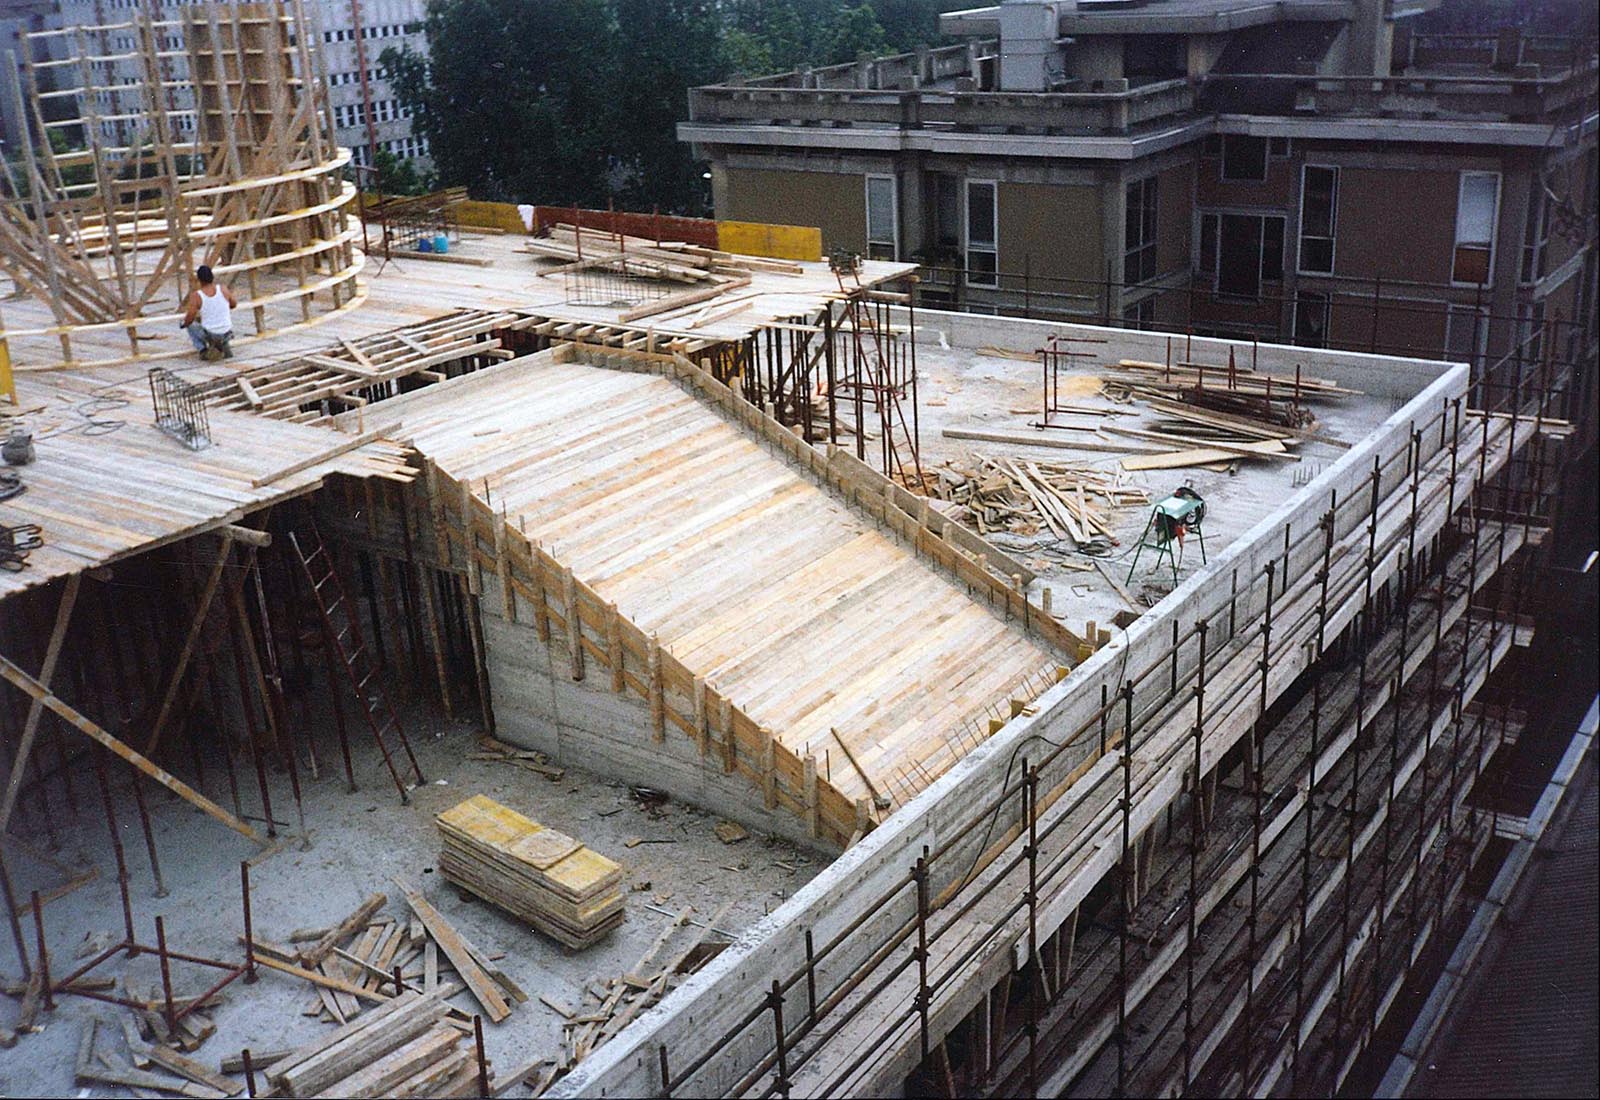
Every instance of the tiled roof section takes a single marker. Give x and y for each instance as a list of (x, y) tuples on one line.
[(1532, 1026)]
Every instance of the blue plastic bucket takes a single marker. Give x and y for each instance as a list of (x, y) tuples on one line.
[(425, 245), (441, 243)]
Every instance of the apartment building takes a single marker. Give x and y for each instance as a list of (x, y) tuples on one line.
[(367, 113), (1309, 172)]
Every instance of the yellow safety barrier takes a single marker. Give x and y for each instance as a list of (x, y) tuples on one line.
[(777, 242), (8, 385)]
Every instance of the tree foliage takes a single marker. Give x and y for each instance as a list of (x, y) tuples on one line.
[(577, 101)]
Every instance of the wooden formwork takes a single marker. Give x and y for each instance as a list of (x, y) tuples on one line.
[(161, 143)]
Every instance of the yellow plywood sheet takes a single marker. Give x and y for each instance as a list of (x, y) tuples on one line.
[(551, 854), (778, 242)]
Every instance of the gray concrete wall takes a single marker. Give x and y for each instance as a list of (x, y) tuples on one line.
[(538, 705), (1381, 376)]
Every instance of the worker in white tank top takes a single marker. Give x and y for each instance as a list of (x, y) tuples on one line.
[(208, 316)]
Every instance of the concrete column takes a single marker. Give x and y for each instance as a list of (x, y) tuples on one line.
[(912, 203)]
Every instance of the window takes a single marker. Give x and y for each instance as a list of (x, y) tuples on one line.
[(1477, 204), (1311, 319), (1139, 232), (1244, 158), (1319, 204), (1535, 236), (983, 260), (883, 236), (1279, 147), (1466, 331), (1244, 251), (1141, 314)]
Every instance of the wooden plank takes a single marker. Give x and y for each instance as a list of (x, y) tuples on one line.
[(342, 931), (1023, 439), (32, 687), (30, 728), (333, 452), (494, 1005)]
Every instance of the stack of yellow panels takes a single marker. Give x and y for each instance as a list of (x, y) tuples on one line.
[(542, 876)]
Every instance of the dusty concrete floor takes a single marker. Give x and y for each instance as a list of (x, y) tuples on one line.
[(961, 388), (358, 841)]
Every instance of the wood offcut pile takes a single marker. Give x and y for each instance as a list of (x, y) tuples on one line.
[(409, 1046), (683, 946), (544, 877), (358, 962), (1024, 497)]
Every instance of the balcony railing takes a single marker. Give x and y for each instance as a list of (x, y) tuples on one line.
[(998, 112)]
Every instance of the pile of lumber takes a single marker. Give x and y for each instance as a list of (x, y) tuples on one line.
[(675, 261), (683, 946), (542, 876), (361, 961), (1240, 380), (408, 1047), (1024, 497)]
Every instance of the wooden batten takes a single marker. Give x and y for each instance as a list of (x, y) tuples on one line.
[(569, 599), (658, 706)]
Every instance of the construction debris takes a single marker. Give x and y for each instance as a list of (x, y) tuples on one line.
[(542, 876), (1024, 497), (405, 1048), (531, 760)]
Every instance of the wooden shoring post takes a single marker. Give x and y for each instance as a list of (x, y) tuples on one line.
[(181, 665), (615, 653), (30, 727), (247, 710), (502, 562), (271, 680), (730, 742), (569, 596), (480, 659), (426, 581), (813, 823), (658, 701), (702, 718), (769, 770), (20, 679), (469, 542)]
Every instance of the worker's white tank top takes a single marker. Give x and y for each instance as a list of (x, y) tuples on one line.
[(215, 315)]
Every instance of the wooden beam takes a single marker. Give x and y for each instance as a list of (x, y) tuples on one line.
[(19, 765), (10, 671)]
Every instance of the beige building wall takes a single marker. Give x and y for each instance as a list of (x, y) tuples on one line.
[(1396, 225), (1052, 231), (834, 202)]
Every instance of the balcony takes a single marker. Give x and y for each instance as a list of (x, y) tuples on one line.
[(1044, 113)]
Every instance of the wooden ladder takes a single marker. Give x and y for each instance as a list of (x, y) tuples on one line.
[(342, 628)]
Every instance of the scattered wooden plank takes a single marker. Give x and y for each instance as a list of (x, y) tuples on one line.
[(482, 987)]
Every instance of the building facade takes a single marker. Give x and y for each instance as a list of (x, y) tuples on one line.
[(367, 114), (1308, 172)]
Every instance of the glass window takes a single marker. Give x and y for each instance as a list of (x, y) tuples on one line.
[(1311, 319), (1248, 251), (1319, 202), (983, 261), (1139, 232), (1476, 209), (882, 237), (1208, 244), (1243, 157), (1535, 235)]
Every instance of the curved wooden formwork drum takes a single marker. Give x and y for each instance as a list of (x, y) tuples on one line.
[(189, 135)]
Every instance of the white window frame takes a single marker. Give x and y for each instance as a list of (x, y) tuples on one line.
[(1537, 249), (894, 212), (1333, 225), (966, 229), (1494, 225)]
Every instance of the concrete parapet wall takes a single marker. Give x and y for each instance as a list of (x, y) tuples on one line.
[(1378, 375)]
